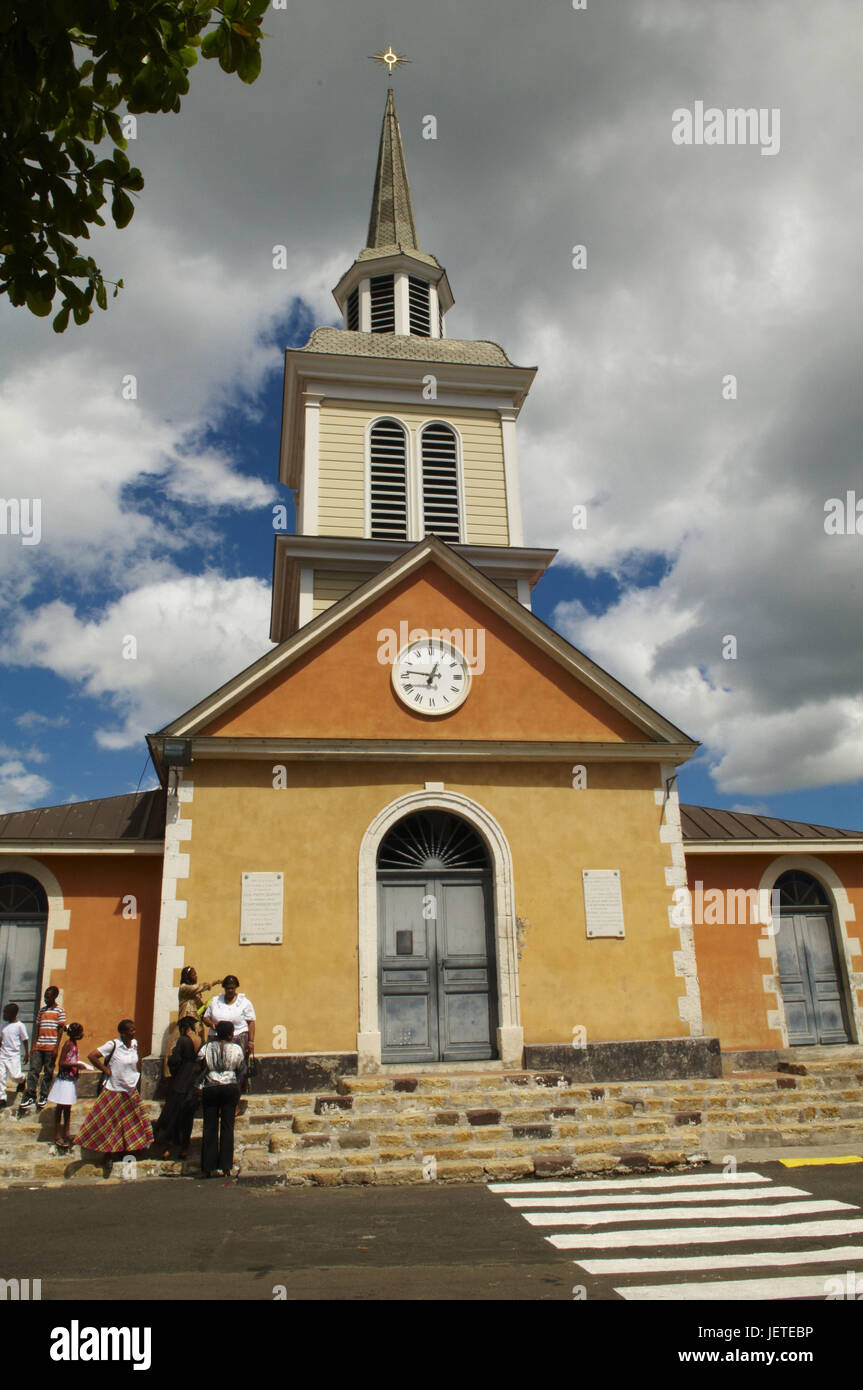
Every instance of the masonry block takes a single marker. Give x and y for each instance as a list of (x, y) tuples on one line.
[(331, 1105), (483, 1117)]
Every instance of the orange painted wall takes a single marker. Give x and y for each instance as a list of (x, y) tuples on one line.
[(111, 960), (341, 690), (730, 970)]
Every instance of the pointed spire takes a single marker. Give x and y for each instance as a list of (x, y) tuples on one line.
[(392, 217)]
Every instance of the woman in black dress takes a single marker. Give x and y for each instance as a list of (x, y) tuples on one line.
[(174, 1125)]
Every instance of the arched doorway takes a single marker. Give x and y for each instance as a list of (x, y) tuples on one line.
[(809, 970), (436, 963), (23, 921)]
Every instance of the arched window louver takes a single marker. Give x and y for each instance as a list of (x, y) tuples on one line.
[(389, 492), (440, 483), (383, 304), (420, 312)]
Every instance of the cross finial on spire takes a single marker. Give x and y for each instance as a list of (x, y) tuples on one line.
[(390, 57)]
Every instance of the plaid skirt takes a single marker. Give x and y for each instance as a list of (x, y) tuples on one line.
[(116, 1124)]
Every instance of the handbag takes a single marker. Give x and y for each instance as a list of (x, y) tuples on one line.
[(103, 1079)]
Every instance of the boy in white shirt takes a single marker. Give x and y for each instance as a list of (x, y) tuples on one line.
[(13, 1036)]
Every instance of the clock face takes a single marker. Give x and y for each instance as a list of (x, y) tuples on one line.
[(431, 677)]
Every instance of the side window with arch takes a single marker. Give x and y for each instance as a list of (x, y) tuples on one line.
[(799, 889), (23, 923), (440, 495), (388, 481)]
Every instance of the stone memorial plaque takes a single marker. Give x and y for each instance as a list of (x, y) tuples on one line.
[(603, 905), (261, 909)]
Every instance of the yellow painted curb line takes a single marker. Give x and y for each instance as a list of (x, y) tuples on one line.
[(813, 1162)]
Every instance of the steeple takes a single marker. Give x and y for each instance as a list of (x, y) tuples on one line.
[(391, 223), (393, 286), (393, 431)]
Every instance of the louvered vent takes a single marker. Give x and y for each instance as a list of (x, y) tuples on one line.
[(383, 304), (432, 840), (389, 501), (440, 483), (354, 309), (420, 313)]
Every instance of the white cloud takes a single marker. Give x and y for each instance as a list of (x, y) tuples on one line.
[(702, 262), (191, 635), (33, 719), (20, 789)]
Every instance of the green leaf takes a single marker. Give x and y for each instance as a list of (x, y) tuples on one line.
[(38, 304), (249, 64), (115, 129), (101, 295), (213, 43), (61, 322), (122, 208)]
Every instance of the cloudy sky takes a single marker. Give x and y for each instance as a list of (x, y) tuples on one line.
[(705, 514)]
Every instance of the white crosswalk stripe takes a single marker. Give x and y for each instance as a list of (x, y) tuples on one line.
[(658, 1213), (633, 1199)]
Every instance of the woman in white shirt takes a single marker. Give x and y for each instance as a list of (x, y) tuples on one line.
[(232, 1007), (222, 1060), (117, 1124)]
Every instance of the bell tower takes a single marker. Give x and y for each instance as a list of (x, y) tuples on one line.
[(393, 430)]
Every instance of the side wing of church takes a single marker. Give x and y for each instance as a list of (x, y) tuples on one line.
[(424, 829)]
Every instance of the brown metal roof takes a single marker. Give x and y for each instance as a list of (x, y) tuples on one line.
[(141, 816), (708, 823), (136, 816)]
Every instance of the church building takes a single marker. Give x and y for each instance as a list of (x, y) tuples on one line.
[(423, 828)]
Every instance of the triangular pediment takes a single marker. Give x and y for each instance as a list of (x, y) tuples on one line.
[(332, 678)]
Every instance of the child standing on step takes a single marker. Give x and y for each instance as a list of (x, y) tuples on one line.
[(64, 1092), (13, 1036), (49, 1028)]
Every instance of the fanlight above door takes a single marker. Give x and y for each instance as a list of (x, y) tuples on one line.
[(432, 840)]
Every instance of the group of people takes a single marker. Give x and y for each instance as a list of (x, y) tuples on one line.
[(213, 1071)]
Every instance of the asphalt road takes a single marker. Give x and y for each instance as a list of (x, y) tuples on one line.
[(212, 1240)]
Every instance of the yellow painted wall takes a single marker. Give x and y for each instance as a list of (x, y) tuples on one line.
[(312, 831), (341, 466), (332, 585)]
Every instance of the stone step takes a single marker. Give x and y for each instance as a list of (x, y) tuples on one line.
[(384, 1128)]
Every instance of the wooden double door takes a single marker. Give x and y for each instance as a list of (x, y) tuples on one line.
[(811, 979), (437, 974)]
